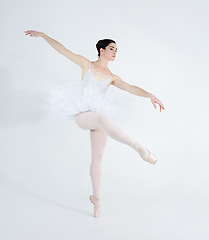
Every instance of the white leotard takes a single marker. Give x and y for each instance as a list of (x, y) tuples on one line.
[(91, 86)]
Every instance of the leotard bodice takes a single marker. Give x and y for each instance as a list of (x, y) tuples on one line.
[(91, 86)]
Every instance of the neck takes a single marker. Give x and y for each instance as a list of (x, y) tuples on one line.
[(102, 63)]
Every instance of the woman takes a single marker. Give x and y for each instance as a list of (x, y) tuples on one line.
[(88, 103)]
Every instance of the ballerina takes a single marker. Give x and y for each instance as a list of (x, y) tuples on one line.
[(90, 107)]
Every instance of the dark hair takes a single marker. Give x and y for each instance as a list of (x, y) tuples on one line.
[(103, 44)]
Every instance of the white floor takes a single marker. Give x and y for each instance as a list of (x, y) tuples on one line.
[(27, 215)]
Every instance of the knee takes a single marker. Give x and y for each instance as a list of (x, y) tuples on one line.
[(101, 119)]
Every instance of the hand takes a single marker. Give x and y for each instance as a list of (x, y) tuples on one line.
[(156, 100), (34, 33)]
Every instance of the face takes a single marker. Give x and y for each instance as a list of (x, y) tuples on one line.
[(109, 52)]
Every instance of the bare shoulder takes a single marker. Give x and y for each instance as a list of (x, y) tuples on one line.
[(84, 62), (115, 79)]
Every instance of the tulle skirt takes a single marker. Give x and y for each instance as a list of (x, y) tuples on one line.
[(68, 100)]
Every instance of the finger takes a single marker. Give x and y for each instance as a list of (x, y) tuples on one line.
[(161, 105)]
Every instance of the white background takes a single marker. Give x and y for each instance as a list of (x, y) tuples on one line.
[(44, 161)]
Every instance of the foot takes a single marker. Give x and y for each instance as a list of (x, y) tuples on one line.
[(95, 199), (145, 154)]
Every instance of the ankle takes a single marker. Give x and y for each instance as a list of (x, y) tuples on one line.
[(141, 150), (135, 145), (97, 195)]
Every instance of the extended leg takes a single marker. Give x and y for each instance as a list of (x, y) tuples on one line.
[(90, 120)]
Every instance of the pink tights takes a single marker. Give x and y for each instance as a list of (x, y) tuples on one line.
[(100, 127)]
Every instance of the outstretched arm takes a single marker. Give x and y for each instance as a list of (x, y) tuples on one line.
[(77, 59), (118, 82)]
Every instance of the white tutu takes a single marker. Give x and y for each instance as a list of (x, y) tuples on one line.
[(68, 100)]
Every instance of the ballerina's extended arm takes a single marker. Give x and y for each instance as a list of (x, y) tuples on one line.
[(76, 58), (118, 82)]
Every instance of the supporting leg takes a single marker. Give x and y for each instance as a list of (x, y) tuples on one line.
[(98, 139)]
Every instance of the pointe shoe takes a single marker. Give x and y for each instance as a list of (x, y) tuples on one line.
[(151, 159), (96, 209)]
